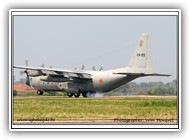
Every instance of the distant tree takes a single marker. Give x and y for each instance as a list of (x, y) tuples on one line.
[(172, 87), (133, 84), (21, 81), (175, 82), (158, 90), (14, 93)]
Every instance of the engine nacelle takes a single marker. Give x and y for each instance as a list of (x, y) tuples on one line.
[(49, 78), (34, 73)]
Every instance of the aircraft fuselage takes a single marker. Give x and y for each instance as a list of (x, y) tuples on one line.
[(102, 81)]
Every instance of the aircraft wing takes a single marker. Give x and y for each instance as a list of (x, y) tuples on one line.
[(58, 72)]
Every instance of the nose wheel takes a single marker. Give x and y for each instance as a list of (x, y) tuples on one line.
[(39, 92)]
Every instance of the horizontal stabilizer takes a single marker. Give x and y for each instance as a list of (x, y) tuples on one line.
[(144, 74), (157, 74)]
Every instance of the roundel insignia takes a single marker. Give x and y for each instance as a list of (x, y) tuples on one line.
[(141, 43), (101, 81)]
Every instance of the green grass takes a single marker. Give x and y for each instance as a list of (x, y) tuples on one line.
[(60, 108)]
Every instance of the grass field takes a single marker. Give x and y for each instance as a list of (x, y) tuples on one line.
[(62, 108)]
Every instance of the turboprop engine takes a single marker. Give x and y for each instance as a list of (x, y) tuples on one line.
[(33, 73), (50, 78)]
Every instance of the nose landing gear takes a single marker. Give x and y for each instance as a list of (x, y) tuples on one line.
[(39, 92)]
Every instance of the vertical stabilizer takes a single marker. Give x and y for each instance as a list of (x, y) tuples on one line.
[(141, 61)]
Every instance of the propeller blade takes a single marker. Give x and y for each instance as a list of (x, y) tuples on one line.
[(82, 67), (26, 63), (93, 68), (22, 72), (101, 68), (42, 65)]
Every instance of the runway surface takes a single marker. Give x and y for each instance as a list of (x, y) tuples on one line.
[(102, 97)]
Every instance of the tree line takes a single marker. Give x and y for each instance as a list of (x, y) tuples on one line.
[(150, 88)]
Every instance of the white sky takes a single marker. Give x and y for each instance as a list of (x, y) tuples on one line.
[(68, 42)]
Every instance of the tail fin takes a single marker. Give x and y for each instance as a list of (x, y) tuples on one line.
[(141, 61)]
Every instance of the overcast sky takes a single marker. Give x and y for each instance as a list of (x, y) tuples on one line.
[(68, 42)]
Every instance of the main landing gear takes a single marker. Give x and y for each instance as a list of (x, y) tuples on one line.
[(71, 95), (84, 94), (39, 92)]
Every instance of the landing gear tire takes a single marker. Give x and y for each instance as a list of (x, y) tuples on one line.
[(70, 94), (76, 95), (84, 94), (39, 92)]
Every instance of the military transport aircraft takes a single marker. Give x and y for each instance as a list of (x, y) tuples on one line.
[(77, 82)]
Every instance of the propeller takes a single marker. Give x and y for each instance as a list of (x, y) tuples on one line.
[(101, 68), (42, 65), (27, 76), (26, 64), (22, 72), (93, 68), (27, 79), (82, 67)]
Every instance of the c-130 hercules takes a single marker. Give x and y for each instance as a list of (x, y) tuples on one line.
[(77, 82)]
